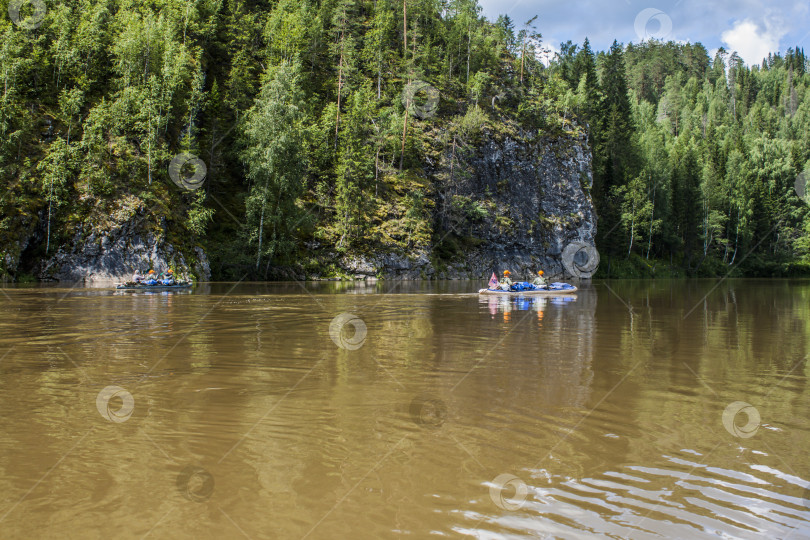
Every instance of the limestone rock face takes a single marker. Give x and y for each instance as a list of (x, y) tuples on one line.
[(520, 203), (114, 255)]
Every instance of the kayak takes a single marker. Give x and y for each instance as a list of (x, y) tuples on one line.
[(158, 287), (537, 292)]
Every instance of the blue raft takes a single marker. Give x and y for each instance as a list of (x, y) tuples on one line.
[(527, 289), (158, 286)]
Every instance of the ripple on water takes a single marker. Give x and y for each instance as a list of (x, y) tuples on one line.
[(611, 417), (649, 502)]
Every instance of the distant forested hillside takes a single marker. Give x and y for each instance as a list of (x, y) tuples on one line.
[(316, 121), (695, 158)]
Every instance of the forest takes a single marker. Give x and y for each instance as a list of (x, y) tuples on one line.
[(315, 119), (699, 162)]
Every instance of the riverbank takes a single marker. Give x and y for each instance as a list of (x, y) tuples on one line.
[(637, 267)]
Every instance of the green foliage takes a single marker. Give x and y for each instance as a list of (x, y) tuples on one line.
[(275, 163), (296, 109), (467, 209), (199, 216), (694, 158), (471, 124)]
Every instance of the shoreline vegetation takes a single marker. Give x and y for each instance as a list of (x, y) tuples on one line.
[(344, 128)]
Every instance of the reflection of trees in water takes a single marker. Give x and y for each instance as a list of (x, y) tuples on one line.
[(708, 340), (739, 324), (541, 371), (539, 351), (563, 351), (532, 376)]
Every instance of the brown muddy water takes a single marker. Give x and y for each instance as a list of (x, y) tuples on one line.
[(636, 409)]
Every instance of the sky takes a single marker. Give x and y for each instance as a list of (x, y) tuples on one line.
[(752, 28)]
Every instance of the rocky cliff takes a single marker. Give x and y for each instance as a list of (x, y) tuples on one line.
[(516, 204), (101, 253), (114, 255), (509, 201)]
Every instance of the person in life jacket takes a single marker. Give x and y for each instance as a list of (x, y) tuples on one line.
[(137, 277), (540, 281), (150, 278), (168, 278), (506, 282)]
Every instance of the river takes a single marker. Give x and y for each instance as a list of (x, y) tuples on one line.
[(633, 409)]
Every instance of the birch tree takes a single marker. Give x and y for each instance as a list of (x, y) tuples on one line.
[(273, 140)]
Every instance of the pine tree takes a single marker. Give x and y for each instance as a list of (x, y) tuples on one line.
[(584, 72), (614, 145), (529, 39), (686, 199), (355, 167)]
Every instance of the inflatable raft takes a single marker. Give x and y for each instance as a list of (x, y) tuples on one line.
[(157, 287), (536, 292)]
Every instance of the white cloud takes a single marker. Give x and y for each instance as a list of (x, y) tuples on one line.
[(548, 53), (751, 42)]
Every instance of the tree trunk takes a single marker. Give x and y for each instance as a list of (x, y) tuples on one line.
[(452, 160), (469, 37), (149, 158), (632, 231), (736, 240), (522, 55), (340, 89), (376, 170), (652, 216), (728, 239), (261, 228), (50, 202), (405, 29), (705, 228), (404, 131), (185, 22)]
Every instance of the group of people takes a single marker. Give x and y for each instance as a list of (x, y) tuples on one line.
[(152, 278), (506, 283)]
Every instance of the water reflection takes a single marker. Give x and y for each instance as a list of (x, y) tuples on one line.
[(505, 305), (246, 414)]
